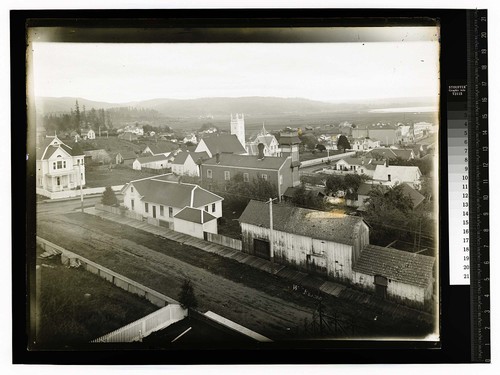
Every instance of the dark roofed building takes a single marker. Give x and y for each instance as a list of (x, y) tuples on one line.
[(396, 274), (158, 148), (125, 157)]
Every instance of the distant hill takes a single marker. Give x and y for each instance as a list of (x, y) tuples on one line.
[(222, 106)]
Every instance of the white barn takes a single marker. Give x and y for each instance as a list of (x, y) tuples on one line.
[(316, 241), (152, 162)]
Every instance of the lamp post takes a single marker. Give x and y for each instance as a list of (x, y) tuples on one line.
[(271, 249)]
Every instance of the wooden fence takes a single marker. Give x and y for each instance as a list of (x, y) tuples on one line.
[(119, 211), (141, 328), (74, 193), (223, 240)]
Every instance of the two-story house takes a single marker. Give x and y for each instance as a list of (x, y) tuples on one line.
[(219, 170), (58, 166)]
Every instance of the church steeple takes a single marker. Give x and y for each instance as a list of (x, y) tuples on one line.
[(238, 127)]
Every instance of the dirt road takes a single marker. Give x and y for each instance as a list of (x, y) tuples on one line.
[(252, 298)]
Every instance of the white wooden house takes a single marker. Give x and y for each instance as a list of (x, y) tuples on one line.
[(151, 162), (158, 198), (58, 166)]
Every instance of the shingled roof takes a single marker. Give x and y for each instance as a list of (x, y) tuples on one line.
[(309, 223), (172, 194), (44, 149), (397, 265), (194, 215), (150, 159), (224, 143), (247, 161)]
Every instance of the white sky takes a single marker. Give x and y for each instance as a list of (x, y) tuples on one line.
[(320, 71)]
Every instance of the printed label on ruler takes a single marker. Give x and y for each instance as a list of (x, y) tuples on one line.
[(458, 184)]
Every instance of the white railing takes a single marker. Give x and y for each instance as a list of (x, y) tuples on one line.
[(141, 328)]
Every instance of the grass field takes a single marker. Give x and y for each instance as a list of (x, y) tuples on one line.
[(102, 176), (78, 306)]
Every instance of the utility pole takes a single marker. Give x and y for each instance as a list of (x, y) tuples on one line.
[(271, 239), (81, 188)]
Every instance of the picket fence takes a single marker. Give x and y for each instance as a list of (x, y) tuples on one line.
[(143, 327)]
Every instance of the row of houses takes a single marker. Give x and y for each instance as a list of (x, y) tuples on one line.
[(324, 243)]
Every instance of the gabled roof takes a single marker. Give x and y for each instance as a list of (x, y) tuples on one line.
[(305, 222), (403, 154), (386, 153), (415, 196), (171, 193), (45, 149), (398, 173), (150, 159), (246, 161), (352, 161), (364, 188), (182, 157), (397, 265), (162, 147), (223, 143), (266, 139), (194, 215), (127, 155)]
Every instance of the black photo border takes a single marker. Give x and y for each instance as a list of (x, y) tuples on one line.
[(455, 319)]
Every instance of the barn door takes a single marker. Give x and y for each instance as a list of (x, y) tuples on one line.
[(262, 249), (381, 286)]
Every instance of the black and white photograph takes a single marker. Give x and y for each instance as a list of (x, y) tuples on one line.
[(237, 193)]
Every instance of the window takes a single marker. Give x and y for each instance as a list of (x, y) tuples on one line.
[(59, 164), (213, 207), (54, 165), (209, 173), (227, 175), (389, 177), (146, 207), (246, 178), (64, 164), (264, 177), (131, 189), (162, 211), (132, 203), (206, 208), (170, 212), (77, 161), (58, 181)]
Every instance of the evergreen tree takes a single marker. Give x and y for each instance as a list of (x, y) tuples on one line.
[(343, 143), (109, 197), (78, 119), (186, 296)]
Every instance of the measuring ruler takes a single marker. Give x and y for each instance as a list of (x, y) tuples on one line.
[(477, 51), (468, 190), (467, 127)]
